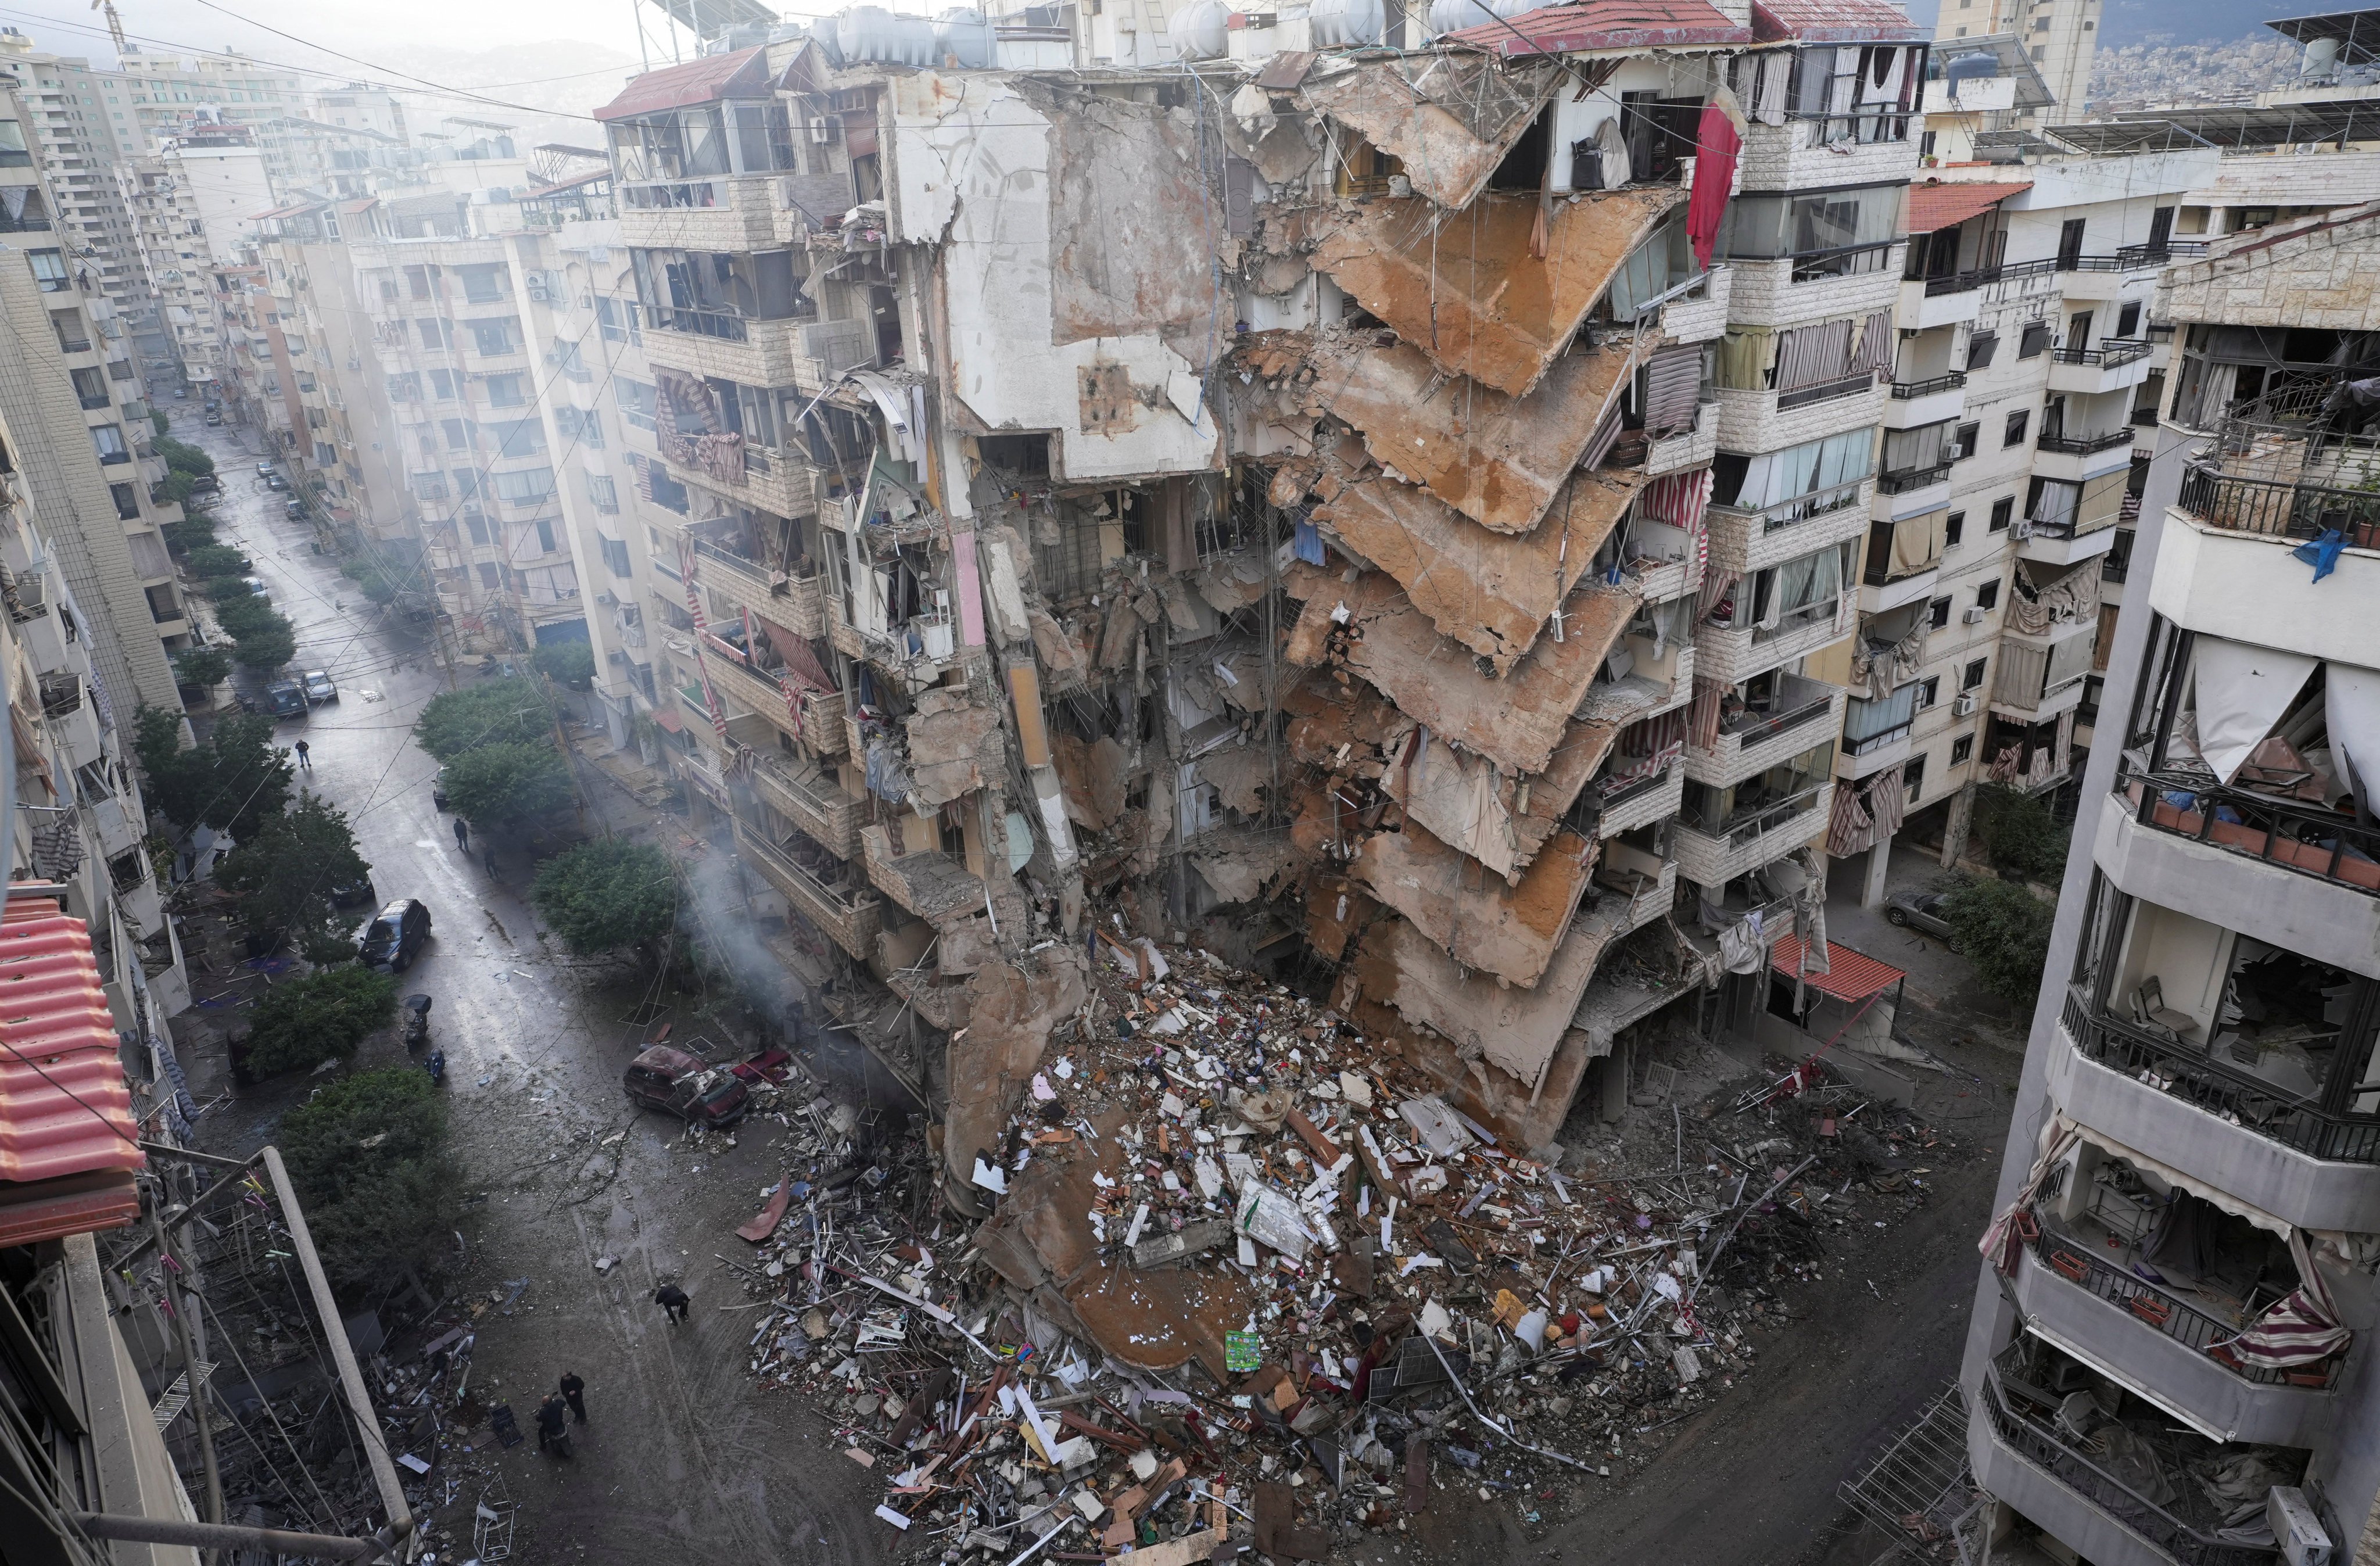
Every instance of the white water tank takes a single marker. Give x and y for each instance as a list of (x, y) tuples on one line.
[(1453, 16), (1201, 31), (871, 32), (1347, 24), (963, 38)]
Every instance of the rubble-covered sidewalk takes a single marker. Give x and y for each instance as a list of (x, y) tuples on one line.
[(1247, 1283)]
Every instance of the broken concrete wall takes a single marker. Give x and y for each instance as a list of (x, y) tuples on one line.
[(1014, 1007), (1479, 920), (1450, 117), (955, 746), (1514, 1030), (1498, 819)]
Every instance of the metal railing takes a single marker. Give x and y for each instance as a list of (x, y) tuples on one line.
[(2079, 1263), (2278, 508), (1826, 391), (1845, 260), (1879, 740), (1962, 282), (1752, 729), (2295, 834), (2209, 1082), (1902, 480), (1762, 822), (1905, 390), (1865, 127), (2085, 445), (2112, 353), (696, 323), (1826, 608), (1799, 508), (2132, 257), (2113, 568), (2038, 1443)]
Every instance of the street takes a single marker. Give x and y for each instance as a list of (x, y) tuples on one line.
[(681, 1459)]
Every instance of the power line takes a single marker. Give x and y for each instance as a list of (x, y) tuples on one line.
[(405, 76)]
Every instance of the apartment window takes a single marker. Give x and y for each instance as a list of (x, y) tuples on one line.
[(325, 455), (1962, 750), (1968, 440), (637, 402), (91, 389), (544, 536), (128, 501), (1929, 690), (417, 281), (489, 577), (2128, 319), (493, 339), (49, 271), (1988, 595), (109, 441), (1926, 142), (1913, 775), (429, 486), (1973, 675), (519, 438), (442, 384), (2035, 339), (477, 526), (1938, 614), (2003, 509), (1980, 346), (603, 492), (526, 487), (2018, 423), (505, 391), (458, 434), (483, 283), (615, 557), (433, 333), (1953, 527), (405, 387)]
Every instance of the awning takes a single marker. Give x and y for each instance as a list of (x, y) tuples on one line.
[(743, 74), (669, 720), (1596, 25), (1834, 21), (1850, 976), (1937, 205), (67, 1139)]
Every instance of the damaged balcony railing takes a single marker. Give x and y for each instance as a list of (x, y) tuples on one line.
[(697, 323), (2197, 1078), (2037, 1440), (1901, 480), (1752, 728), (1801, 508), (2078, 1262), (1741, 829), (2278, 508), (1845, 260), (2298, 834)]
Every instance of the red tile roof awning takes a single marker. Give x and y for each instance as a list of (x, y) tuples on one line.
[(1941, 205), (67, 1154), (741, 74), (1834, 21), (668, 719), (1594, 25), (1850, 976)]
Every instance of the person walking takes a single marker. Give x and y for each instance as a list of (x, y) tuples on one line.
[(305, 757), (462, 835), (549, 1422), (673, 1302), (574, 1392), (488, 857)]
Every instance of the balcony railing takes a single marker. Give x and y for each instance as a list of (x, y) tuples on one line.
[(1799, 508), (61, 693), (1846, 260), (1826, 391), (2279, 509), (2085, 445), (2132, 257), (1869, 128), (2299, 835), (697, 322), (2037, 1440), (2114, 567), (1740, 830), (2189, 1073), (1908, 391), (1797, 620), (2080, 1264), (1896, 481), (2111, 353), (1963, 282), (1879, 740), (1755, 727)]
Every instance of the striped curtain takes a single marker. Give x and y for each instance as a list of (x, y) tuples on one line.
[(1807, 356), (1865, 815), (1672, 382), (701, 629), (1719, 586), (1701, 716), (1677, 499), (1874, 351)]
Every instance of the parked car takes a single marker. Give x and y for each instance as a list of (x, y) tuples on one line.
[(275, 481), (351, 893), (215, 419), (181, 394), (284, 699), (265, 470), (318, 686), (256, 585), (1919, 910), (295, 510), (394, 937), (676, 1083), (205, 483)]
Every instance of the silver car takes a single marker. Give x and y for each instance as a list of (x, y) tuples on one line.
[(1920, 910)]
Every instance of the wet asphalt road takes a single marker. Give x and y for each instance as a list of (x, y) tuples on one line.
[(683, 1460)]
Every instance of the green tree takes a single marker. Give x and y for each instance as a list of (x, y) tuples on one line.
[(204, 667), (2020, 836), (243, 611), (182, 457), (2004, 931), (568, 663), (373, 582), (234, 781), (196, 530), (217, 560), (607, 895), (507, 782), (369, 1156), (284, 875), (158, 421), (303, 1022), (225, 588), (491, 712), (267, 648)]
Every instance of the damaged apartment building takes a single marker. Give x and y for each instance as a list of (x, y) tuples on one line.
[(1387, 514)]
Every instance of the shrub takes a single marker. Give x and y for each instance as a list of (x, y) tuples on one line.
[(491, 712), (2020, 836), (282, 876), (2003, 930), (205, 667), (369, 1156), (568, 663), (507, 782), (605, 895), (217, 560), (304, 1022)]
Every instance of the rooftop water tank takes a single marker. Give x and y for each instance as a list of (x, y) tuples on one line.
[(871, 32), (1201, 31), (1453, 16), (1347, 24), (963, 38)]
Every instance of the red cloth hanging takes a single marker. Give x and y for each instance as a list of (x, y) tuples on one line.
[(1715, 145)]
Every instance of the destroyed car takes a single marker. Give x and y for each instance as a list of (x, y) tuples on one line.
[(676, 1083)]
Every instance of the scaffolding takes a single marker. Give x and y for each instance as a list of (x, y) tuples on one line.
[(1919, 1489)]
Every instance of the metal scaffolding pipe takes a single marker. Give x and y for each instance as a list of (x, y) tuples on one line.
[(224, 1535)]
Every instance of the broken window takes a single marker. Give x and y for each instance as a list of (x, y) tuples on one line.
[(1364, 169), (1740, 812), (1813, 227)]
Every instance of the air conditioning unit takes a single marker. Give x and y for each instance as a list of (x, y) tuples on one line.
[(615, 656), (536, 282), (2299, 1532), (1964, 706), (1974, 615), (606, 599), (2021, 528)]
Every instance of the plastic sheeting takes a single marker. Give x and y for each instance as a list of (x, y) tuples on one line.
[(2240, 693), (2351, 714)]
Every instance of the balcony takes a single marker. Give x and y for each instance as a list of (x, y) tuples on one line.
[(1687, 448), (2116, 364), (1904, 560), (1805, 289), (2109, 1314), (847, 915), (2078, 457), (1802, 713), (777, 481), (760, 693), (2280, 508), (1926, 401), (2111, 277), (732, 213), (815, 805), (1877, 733), (1827, 152), (1761, 422), (1716, 857), (2021, 1453), (930, 885), (1699, 315), (809, 356), (1732, 654), (795, 602), (1744, 540), (1639, 802)]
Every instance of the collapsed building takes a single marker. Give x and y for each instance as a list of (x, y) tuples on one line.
[(1364, 506)]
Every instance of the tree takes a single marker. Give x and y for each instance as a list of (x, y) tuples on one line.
[(225, 588), (369, 1159), (159, 422), (243, 611), (607, 895), (2004, 931), (507, 782), (303, 1022), (2020, 835), (491, 712), (182, 457), (196, 530), (568, 663), (217, 560), (234, 781), (266, 648), (204, 667), (284, 875)]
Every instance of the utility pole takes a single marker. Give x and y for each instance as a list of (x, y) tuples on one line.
[(178, 1302)]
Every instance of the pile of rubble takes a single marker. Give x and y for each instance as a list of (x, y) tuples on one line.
[(1246, 1278)]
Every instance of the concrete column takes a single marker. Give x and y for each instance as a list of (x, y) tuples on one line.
[(1879, 860), (1954, 833)]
